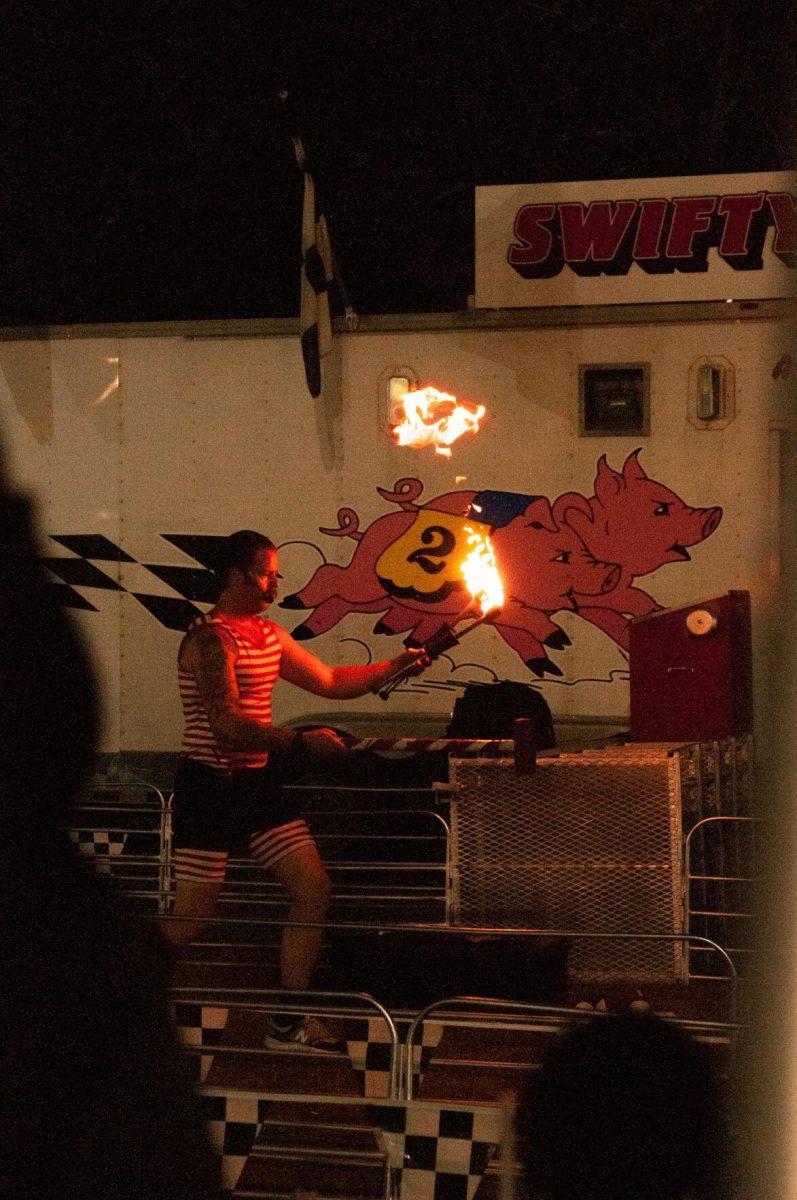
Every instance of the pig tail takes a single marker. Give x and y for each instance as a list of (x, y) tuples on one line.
[(405, 492), (348, 525)]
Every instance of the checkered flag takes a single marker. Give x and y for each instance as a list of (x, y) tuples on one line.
[(100, 845), (317, 275), (368, 1045), (233, 1123), (438, 1152), (199, 1026)]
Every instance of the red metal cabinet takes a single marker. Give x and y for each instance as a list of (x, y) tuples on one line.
[(691, 672)]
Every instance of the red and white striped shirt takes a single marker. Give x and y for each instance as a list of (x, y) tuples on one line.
[(256, 670)]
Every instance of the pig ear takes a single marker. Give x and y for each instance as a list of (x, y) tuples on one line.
[(631, 468), (570, 503), (608, 482), (539, 512)]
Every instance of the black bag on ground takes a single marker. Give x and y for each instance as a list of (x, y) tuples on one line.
[(488, 710)]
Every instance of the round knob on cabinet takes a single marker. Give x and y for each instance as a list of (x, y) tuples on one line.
[(701, 622)]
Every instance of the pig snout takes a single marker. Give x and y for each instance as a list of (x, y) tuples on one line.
[(711, 520), (611, 580)]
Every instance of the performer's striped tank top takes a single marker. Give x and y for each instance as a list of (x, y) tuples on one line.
[(256, 670)]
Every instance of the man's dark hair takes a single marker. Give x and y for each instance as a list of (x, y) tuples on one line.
[(239, 550)]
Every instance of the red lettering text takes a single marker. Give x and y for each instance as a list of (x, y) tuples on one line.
[(785, 217), (535, 239), (651, 223), (738, 212), (691, 215), (597, 233)]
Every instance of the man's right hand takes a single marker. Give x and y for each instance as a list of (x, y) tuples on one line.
[(324, 743)]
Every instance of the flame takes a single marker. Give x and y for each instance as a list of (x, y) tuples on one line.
[(481, 573), (431, 418)]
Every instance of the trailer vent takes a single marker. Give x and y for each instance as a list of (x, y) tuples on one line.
[(614, 399)]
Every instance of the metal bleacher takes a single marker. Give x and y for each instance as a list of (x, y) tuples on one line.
[(338, 1126)]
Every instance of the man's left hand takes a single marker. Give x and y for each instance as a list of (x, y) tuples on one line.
[(324, 743)]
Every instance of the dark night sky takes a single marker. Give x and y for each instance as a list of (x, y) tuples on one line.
[(146, 174)]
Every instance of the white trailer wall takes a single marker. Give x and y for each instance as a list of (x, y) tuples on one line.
[(135, 437)]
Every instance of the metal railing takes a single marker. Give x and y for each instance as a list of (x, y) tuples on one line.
[(486, 1011), (272, 1000), (261, 890), (154, 802), (160, 804), (476, 1003), (713, 883), (402, 1068)]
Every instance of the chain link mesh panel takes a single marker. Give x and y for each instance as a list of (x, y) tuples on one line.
[(590, 841)]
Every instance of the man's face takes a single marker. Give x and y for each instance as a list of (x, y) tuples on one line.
[(263, 574)]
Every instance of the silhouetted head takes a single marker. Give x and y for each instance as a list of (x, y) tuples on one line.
[(625, 1108), (48, 702)]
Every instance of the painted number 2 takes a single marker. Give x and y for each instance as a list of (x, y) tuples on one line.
[(438, 542)]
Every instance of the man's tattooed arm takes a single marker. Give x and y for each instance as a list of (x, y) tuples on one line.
[(211, 657)]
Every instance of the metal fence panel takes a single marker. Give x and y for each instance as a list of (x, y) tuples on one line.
[(588, 841)]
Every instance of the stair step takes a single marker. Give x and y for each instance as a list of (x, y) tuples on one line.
[(292, 1074), (323, 1114), (495, 1045), (270, 1173), (318, 1137), (450, 1082)]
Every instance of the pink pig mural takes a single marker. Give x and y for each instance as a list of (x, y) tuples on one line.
[(579, 554), (642, 525)]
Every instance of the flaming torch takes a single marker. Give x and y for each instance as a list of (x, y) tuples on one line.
[(431, 418), (480, 573), (487, 595)]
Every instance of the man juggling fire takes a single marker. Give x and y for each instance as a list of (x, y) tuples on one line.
[(227, 795)]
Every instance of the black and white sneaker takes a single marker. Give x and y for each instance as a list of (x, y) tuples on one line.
[(308, 1035)]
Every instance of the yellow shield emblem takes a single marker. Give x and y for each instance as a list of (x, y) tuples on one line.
[(425, 563)]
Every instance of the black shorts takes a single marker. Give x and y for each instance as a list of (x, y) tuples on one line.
[(220, 810)]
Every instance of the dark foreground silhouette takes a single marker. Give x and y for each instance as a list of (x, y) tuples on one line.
[(625, 1108), (95, 1099)]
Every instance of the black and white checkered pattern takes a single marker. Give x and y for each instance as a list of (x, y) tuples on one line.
[(368, 1045), (194, 584), (317, 275), (439, 1151), (199, 1025), (233, 1123), (100, 845)]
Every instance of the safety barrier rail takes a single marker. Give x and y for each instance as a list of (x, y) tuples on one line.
[(106, 842), (482, 1129), (156, 802), (488, 1012), (732, 977), (294, 1001), (475, 1003), (713, 885)]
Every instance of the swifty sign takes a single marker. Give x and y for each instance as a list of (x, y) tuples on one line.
[(623, 241), (660, 235)]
